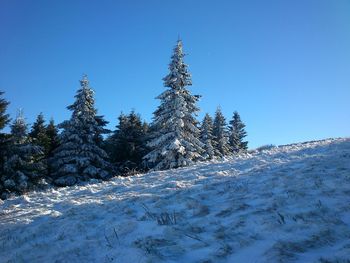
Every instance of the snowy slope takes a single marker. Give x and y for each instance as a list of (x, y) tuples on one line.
[(288, 204)]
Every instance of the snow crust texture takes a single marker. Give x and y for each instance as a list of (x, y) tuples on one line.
[(287, 204)]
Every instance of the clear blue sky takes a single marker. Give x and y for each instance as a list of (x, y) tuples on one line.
[(283, 65)]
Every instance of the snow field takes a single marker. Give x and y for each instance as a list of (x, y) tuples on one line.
[(287, 204)]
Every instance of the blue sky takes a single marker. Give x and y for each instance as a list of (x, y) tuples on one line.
[(283, 65)]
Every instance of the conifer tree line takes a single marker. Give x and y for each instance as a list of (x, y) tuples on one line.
[(81, 148)]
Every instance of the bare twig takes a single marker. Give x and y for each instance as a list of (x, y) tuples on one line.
[(196, 238), (281, 220), (116, 235), (108, 242)]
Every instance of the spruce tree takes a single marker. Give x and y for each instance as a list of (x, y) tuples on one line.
[(101, 122), (39, 135), (4, 138), (175, 140), (237, 134), (52, 134), (4, 120), (127, 144), (22, 168), (115, 145), (79, 157), (207, 137), (221, 134), (4, 117), (136, 137)]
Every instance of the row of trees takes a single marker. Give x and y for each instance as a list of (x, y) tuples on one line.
[(80, 152)]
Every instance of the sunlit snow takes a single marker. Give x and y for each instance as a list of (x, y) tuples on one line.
[(287, 204)]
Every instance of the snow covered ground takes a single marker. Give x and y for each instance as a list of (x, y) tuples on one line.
[(288, 204)]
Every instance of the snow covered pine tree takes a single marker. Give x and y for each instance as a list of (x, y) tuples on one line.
[(207, 138), (79, 157), (237, 134), (220, 134), (176, 140), (22, 169)]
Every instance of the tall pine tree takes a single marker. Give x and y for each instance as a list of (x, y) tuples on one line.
[(221, 134), (207, 137), (23, 169), (176, 140), (237, 134), (79, 157)]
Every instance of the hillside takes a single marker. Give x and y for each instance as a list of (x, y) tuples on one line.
[(287, 204)]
